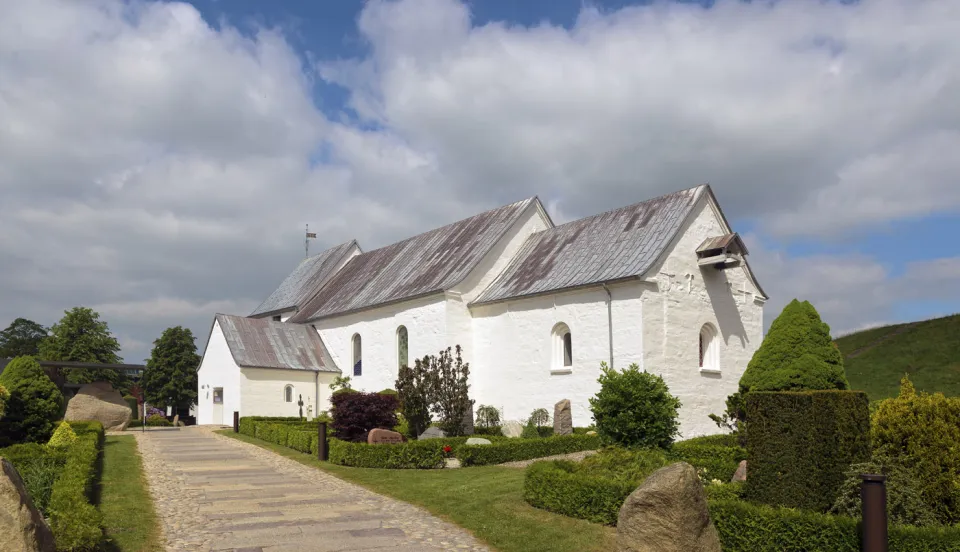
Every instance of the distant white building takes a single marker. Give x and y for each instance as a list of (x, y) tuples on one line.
[(536, 307)]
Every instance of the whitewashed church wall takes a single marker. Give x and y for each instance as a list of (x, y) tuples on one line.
[(687, 298), (514, 369), (217, 369), (263, 391), (425, 320)]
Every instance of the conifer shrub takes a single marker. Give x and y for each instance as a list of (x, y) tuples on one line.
[(4, 397), (63, 436), (799, 445), (922, 430), (529, 430), (34, 404), (355, 414), (635, 408), (906, 504)]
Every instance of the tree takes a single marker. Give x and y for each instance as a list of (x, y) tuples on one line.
[(415, 386), (34, 404), (170, 377), (80, 336), (21, 338), (451, 394), (797, 353)]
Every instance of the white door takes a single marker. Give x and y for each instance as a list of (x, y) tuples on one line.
[(217, 405)]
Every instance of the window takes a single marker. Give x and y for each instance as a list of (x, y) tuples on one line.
[(218, 395), (402, 346), (709, 349), (562, 349), (276, 318), (288, 393), (357, 359)]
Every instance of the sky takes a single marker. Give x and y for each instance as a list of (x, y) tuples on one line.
[(159, 160)]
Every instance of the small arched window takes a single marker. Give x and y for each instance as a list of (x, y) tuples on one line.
[(562, 348), (357, 356), (288, 393), (709, 349), (402, 346)]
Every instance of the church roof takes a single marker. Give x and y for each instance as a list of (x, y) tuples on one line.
[(263, 343), (424, 264), (618, 244), (306, 279)]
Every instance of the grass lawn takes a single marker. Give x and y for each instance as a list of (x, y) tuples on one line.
[(487, 500), (129, 520), (928, 351)]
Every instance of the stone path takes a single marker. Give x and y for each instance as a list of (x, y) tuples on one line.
[(217, 493)]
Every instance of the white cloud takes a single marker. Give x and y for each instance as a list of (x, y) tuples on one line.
[(147, 154)]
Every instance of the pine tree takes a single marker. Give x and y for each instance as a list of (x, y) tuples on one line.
[(80, 336), (170, 377), (797, 353), (34, 405)]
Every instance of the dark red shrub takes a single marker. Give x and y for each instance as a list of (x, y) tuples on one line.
[(354, 414)]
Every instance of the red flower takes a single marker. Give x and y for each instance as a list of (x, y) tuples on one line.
[(446, 448)]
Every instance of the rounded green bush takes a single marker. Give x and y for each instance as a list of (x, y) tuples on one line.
[(905, 502), (635, 408), (4, 397), (34, 404)]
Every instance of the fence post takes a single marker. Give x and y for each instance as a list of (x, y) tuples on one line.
[(322, 453), (873, 496), (236, 422)]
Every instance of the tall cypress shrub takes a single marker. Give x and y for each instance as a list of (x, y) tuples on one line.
[(34, 404)]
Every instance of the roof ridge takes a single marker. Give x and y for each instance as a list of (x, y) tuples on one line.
[(629, 206)]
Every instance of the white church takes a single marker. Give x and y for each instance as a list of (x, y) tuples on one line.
[(535, 306)]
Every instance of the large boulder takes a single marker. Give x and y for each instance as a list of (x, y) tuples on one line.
[(101, 402), (512, 429), (21, 524), (741, 473), (667, 513), (478, 441), (432, 432), (562, 418)]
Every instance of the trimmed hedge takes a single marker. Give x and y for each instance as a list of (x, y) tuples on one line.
[(719, 455), (75, 521), (746, 527), (524, 449), (557, 487), (424, 455), (799, 444)]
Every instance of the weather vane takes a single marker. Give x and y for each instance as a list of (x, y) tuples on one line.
[(306, 241)]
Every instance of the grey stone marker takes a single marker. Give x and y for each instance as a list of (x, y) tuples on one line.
[(562, 418), (432, 433)]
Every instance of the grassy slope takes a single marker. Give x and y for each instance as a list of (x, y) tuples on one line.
[(488, 501), (129, 519), (928, 351)]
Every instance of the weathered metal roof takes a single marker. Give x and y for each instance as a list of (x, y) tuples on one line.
[(309, 276), (430, 262), (263, 343), (614, 245)]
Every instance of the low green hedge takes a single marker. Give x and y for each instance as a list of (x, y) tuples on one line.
[(718, 455), (75, 521), (747, 527), (557, 486), (511, 450), (426, 454)]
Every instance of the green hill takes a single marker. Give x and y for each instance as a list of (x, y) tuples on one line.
[(929, 351)]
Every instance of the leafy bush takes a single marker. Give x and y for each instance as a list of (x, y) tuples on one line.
[(340, 383), (403, 427), (510, 450), (39, 467), (415, 388), (800, 443), (355, 414), (746, 527), (634, 408), (797, 353), (451, 400), (540, 417), (921, 430), (4, 397), (724, 491), (75, 521), (63, 436), (488, 418), (905, 503), (530, 431), (34, 403), (157, 420), (717, 455)]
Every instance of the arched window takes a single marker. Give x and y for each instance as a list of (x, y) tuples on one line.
[(562, 349), (288, 393), (709, 349), (402, 346), (357, 356)]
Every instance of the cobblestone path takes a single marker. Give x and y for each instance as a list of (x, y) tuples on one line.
[(216, 493)]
